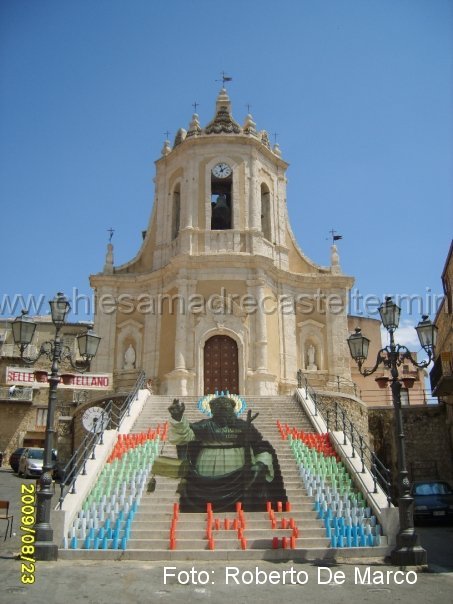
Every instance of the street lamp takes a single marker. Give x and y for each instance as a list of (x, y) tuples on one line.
[(23, 329), (408, 550)]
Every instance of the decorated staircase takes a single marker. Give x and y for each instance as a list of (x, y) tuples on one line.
[(152, 533), (324, 517)]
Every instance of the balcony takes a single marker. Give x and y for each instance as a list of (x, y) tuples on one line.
[(441, 374), (19, 393)]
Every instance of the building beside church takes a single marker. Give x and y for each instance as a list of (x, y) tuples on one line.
[(442, 372), (220, 296)]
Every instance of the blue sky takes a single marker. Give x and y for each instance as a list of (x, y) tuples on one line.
[(359, 92)]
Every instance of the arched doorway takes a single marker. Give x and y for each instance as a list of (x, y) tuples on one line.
[(221, 366)]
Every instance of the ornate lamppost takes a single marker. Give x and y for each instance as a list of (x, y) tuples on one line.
[(408, 550), (23, 328)]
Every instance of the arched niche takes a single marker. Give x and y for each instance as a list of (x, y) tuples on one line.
[(311, 346), (130, 334)]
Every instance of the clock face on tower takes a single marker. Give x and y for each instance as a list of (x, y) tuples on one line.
[(221, 170)]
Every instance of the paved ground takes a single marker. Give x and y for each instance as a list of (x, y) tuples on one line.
[(144, 582)]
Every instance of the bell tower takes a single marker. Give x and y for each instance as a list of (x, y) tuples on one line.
[(219, 230)]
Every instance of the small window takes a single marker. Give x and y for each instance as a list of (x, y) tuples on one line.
[(41, 417), (404, 397), (266, 212), (176, 212)]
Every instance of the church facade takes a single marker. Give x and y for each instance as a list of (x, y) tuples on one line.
[(219, 296)]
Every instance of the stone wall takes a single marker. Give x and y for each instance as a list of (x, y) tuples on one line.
[(356, 411), (428, 448), (16, 419)]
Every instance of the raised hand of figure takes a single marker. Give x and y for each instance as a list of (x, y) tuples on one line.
[(251, 418), (176, 410)]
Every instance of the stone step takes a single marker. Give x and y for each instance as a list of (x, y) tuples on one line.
[(199, 521), (291, 482), (162, 504), (301, 517), (222, 544), (307, 554), (293, 422), (187, 534)]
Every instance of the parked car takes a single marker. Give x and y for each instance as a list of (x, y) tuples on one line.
[(31, 461), (15, 457), (432, 499)]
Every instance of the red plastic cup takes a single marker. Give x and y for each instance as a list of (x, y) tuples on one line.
[(275, 543), (279, 506)]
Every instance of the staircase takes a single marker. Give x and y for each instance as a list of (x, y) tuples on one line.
[(263, 537), (149, 537)]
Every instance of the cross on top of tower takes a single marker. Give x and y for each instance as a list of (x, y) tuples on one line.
[(224, 79)]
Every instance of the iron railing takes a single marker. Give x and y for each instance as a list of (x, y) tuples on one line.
[(380, 473), (337, 383), (19, 393), (113, 415)]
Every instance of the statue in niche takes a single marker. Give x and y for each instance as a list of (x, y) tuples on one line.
[(311, 354), (129, 358), (228, 460)]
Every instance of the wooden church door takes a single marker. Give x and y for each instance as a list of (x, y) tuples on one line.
[(221, 365)]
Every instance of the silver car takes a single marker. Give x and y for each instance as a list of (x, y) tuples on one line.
[(31, 462)]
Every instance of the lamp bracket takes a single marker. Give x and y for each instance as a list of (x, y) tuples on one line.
[(393, 356), (55, 351)]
